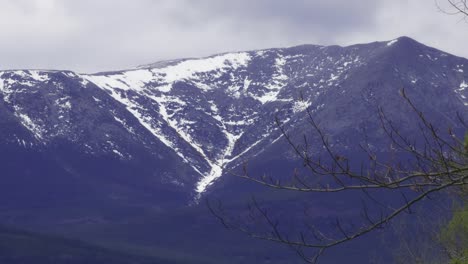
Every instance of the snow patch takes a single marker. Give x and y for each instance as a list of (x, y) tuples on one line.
[(124, 124), (118, 153), (27, 122), (191, 69), (278, 81), (39, 76), (390, 43), (463, 86), (2, 83), (64, 103), (300, 106), (130, 80), (162, 79), (247, 83), (218, 165)]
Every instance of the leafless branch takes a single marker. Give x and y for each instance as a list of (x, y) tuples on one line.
[(437, 164)]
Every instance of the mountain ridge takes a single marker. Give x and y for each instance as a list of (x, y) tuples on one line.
[(169, 101), (175, 60)]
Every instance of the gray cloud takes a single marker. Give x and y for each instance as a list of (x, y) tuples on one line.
[(299, 14), (89, 35)]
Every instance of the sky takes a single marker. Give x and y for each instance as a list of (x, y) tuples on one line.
[(102, 35)]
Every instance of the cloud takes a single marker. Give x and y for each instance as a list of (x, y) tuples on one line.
[(89, 35), (297, 15)]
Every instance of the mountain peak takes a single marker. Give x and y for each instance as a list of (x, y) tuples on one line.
[(403, 41)]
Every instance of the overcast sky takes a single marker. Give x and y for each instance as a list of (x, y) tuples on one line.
[(99, 35)]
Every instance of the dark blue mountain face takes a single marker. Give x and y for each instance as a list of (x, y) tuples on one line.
[(157, 137)]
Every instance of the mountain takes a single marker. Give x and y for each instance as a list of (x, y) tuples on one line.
[(98, 149)]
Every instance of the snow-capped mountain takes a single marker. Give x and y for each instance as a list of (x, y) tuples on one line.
[(189, 120)]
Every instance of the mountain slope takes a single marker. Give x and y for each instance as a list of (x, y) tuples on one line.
[(205, 115)]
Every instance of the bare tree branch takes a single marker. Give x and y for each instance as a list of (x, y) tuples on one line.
[(437, 164)]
